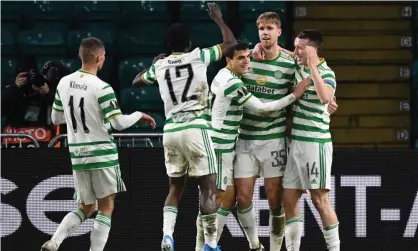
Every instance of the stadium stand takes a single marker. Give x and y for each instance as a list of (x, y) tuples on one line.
[(369, 47)]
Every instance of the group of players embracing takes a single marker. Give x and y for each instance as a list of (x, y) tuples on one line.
[(233, 131)]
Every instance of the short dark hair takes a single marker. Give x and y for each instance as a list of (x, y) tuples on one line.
[(89, 48), (315, 36), (178, 37), (238, 46)]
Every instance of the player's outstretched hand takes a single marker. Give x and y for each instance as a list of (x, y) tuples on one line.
[(258, 52), (333, 106), (302, 87), (147, 120), (214, 11), (161, 56)]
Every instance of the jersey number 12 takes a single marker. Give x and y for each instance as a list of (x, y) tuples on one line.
[(82, 114), (184, 97)]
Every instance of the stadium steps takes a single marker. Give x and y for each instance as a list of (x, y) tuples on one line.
[(369, 46)]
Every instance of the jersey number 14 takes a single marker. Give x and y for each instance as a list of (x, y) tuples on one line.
[(184, 97)]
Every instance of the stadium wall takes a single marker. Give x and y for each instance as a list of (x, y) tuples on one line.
[(374, 193)]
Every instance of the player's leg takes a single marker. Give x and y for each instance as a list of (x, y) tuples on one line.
[(176, 165), (107, 182), (272, 155), (291, 195), (320, 196), (246, 168), (83, 193), (202, 164)]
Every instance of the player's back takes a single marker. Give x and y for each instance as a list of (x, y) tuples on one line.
[(182, 82), (82, 96)]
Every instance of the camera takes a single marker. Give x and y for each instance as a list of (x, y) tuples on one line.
[(51, 74)]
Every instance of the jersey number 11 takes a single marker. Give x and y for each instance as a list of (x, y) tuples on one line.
[(82, 114)]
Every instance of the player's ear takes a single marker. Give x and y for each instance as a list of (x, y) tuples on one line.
[(279, 32)]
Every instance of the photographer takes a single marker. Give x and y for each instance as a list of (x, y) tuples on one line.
[(27, 103)]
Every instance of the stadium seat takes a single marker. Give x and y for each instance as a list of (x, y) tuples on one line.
[(146, 98), (360, 42), (8, 71), (75, 37), (372, 106), (250, 10), (143, 39), (249, 34), (378, 73), (47, 10), (205, 34), (196, 10), (371, 121), (370, 136), (145, 10), (373, 90), (107, 72), (96, 10), (129, 68), (373, 56), (41, 41), (8, 41), (11, 11)]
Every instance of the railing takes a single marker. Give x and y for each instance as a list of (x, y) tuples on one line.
[(21, 135), (146, 138)]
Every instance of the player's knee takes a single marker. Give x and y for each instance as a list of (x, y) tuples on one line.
[(320, 200), (274, 193), (228, 198), (88, 210)]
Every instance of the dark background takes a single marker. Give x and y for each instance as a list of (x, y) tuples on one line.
[(137, 220)]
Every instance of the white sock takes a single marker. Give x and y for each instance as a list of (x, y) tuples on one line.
[(169, 222), (210, 223), (248, 222), (276, 228), (293, 233), (332, 237), (100, 232), (200, 235), (70, 223), (222, 217)]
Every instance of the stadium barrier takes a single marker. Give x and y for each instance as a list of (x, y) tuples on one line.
[(19, 137), (374, 192), (145, 137)]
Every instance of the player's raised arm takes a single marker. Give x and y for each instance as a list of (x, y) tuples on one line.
[(57, 114), (110, 108), (324, 85), (147, 76)]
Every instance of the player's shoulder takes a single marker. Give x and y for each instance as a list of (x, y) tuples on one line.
[(289, 58), (325, 68)]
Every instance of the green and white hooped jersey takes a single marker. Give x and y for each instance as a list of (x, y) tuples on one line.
[(311, 118), (88, 104), (228, 97), (184, 87), (267, 80)]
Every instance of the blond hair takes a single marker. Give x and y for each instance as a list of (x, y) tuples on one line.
[(269, 17)]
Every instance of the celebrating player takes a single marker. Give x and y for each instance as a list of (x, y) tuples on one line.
[(89, 108), (261, 147), (230, 96), (188, 148), (310, 155)]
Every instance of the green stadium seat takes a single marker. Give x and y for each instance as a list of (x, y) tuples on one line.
[(129, 68), (146, 98), (249, 34), (11, 11), (194, 10), (205, 34), (8, 41), (96, 10), (144, 10), (47, 10), (107, 72), (8, 71), (75, 37), (41, 42), (250, 10), (142, 39)]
